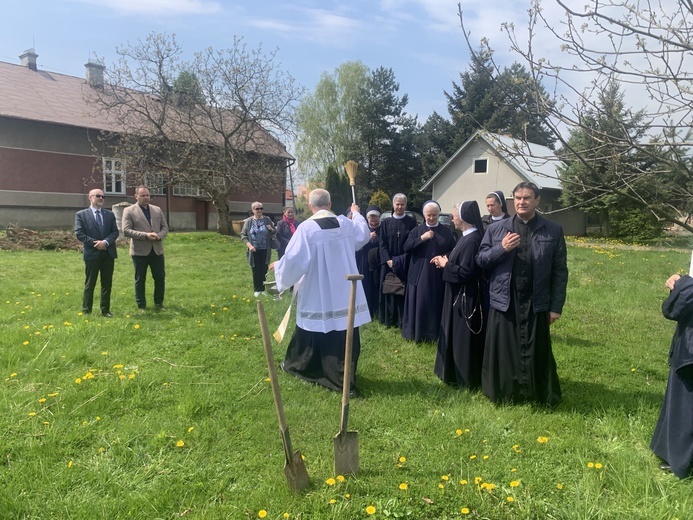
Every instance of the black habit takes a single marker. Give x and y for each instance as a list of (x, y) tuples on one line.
[(368, 262), (423, 299), (393, 234), (673, 436)]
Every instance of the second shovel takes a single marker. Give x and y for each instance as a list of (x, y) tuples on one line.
[(346, 443)]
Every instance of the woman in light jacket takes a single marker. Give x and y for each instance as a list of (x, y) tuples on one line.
[(257, 235)]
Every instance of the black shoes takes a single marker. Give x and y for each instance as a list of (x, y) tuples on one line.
[(107, 315)]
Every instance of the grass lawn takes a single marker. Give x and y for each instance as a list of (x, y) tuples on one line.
[(170, 415)]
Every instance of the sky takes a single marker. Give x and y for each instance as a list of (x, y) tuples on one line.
[(420, 40)]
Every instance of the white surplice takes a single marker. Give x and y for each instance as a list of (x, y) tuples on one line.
[(316, 263)]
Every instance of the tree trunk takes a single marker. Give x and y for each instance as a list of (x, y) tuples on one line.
[(224, 225)]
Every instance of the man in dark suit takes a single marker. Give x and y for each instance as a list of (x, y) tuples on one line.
[(96, 228), (145, 225)]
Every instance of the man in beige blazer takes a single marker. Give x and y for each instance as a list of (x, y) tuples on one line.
[(145, 225)]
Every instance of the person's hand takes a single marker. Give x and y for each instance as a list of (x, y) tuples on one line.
[(672, 280), (271, 266), (152, 236), (373, 235), (510, 241), (100, 245), (389, 264), (428, 235), (251, 247), (553, 316), (439, 261), (355, 209)]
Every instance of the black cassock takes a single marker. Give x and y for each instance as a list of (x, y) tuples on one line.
[(393, 234), (518, 361), (368, 261), (673, 436), (423, 299), (461, 340)]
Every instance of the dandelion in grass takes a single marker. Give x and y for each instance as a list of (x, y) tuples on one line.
[(84, 423), (118, 366), (485, 457), (98, 418), (80, 313), (285, 515), (347, 496), (402, 460), (516, 448), (559, 486), (542, 440), (330, 481), (514, 483), (590, 464), (445, 478), (463, 482), (53, 394), (632, 369), (121, 376), (477, 480), (464, 510), (370, 510), (67, 323), (233, 296), (31, 414), (26, 327), (25, 342), (131, 376), (332, 501), (510, 499), (136, 326), (598, 465), (46, 423), (69, 464), (340, 478), (513, 470), (13, 374), (458, 432), (180, 443), (267, 380), (191, 429), (403, 486), (42, 400), (440, 486), (472, 457), (78, 380), (261, 513)]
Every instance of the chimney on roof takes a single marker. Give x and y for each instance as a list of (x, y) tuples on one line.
[(95, 74), (28, 58)]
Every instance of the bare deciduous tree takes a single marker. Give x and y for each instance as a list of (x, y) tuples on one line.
[(209, 122)]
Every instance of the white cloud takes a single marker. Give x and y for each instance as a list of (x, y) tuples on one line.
[(160, 7)]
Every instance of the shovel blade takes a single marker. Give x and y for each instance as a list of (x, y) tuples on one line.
[(346, 453), (296, 473)]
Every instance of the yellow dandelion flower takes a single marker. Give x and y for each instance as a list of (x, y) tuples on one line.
[(463, 482), (285, 515), (340, 478), (485, 457), (598, 465), (513, 470), (13, 374), (403, 486), (441, 486), (131, 376), (267, 380), (69, 464), (559, 486), (542, 440), (88, 375), (510, 499), (25, 343), (102, 449), (477, 480), (31, 414), (632, 369), (444, 477), (516, 448), (370, 510), (330, 481), (191, 429), (472, 457), (403, 459), (180, 443), (136, 326), (78, 380), (225, 309), (118, 366), (458, 432), (234, 296), (464, 511), (46, 423), (590, 464), (332, 501), (347, 496), (42, 400), (121, 376), (98, 418), (53, 394), (515, 483), (490, 487), (104, 353), (261, 513), (26, 327), (84, 423)]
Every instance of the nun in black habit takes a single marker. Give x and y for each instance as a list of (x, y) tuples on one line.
[(368, 261), (423, 298), (672, 440), (496, 207), (461, 340), (394, 231)]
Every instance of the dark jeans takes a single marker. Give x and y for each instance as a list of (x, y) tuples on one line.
[(156, 264), (260, 269), (92, 268)]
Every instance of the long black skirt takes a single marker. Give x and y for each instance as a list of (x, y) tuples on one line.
[(518, 361), (319, 357)]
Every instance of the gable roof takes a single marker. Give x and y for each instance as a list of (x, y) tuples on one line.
[(50, 97), (533, 162)]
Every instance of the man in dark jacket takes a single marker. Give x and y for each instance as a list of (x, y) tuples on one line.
[(524, 258), (96, 228)]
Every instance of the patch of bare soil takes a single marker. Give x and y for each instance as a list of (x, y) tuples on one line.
[(19, 238)]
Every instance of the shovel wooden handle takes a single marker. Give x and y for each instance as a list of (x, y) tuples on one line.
[(274, 380), (346, 385)]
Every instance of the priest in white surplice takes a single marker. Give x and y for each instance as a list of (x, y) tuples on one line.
[(319, 256)]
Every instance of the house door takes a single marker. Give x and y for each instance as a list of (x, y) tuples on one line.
[(201, 215)]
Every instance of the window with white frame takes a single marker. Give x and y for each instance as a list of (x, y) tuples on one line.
[(156, 182), (481, 165), (113, 176), (186, 189)]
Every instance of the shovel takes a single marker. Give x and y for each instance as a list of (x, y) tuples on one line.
[(294, 468), (346, 444)]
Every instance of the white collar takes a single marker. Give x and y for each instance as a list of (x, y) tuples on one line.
[(468, 231)]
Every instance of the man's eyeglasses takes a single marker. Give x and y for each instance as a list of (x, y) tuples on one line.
[(99, 196), (260, 209)]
